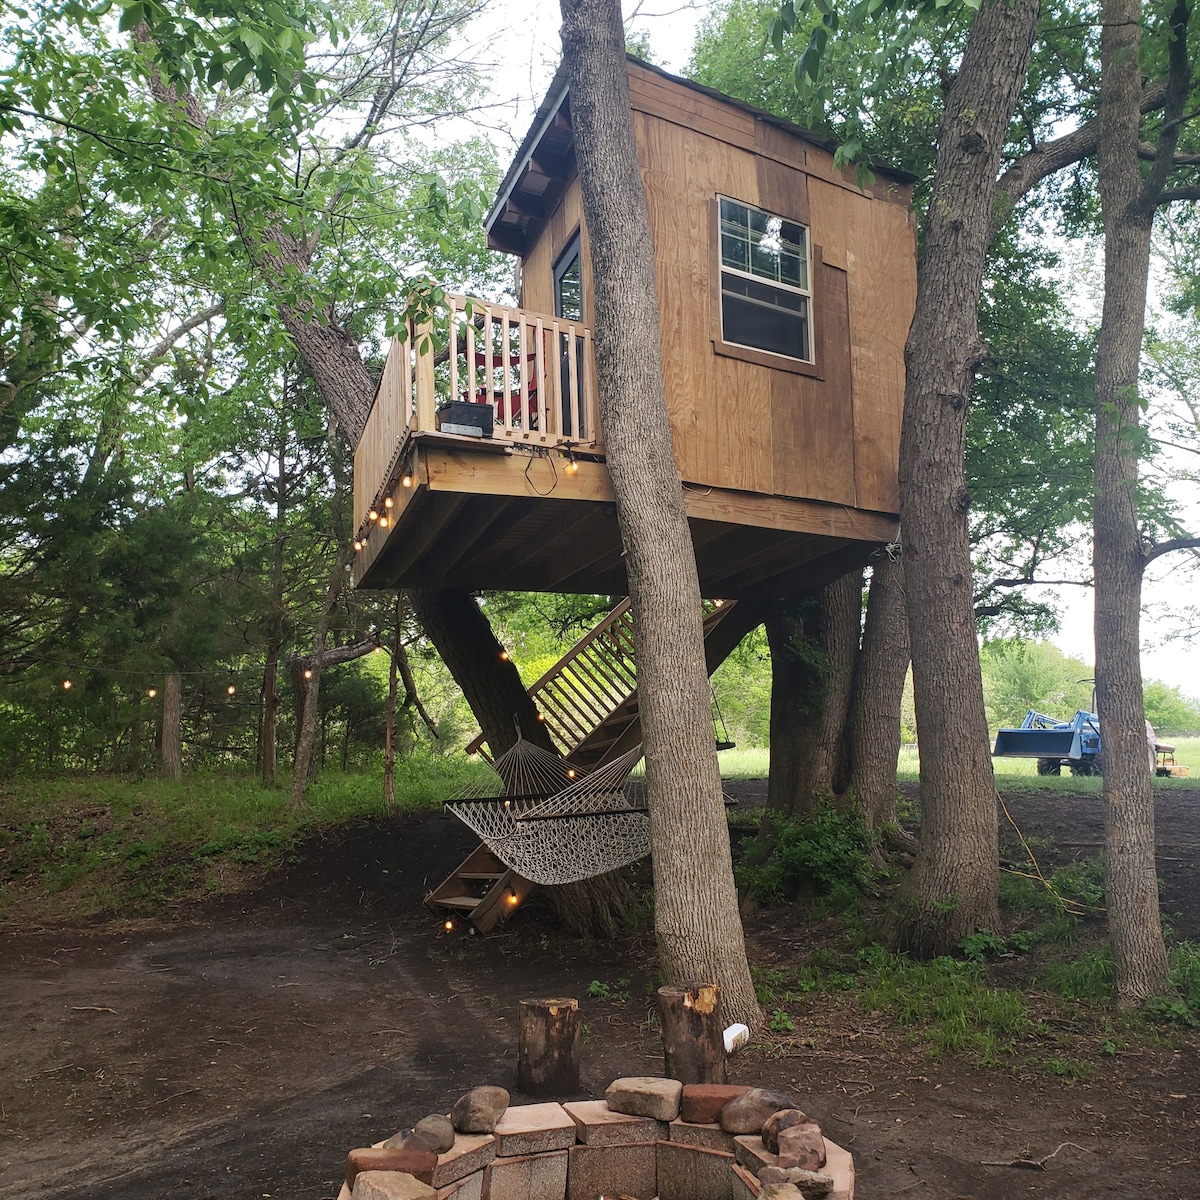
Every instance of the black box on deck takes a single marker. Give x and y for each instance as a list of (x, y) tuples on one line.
[(462, 416)]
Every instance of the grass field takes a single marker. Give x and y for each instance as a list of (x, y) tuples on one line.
[(754, 762)]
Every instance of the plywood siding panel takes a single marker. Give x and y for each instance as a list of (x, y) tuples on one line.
[(720, 408), (813, 420), (882, 289), (782, 189), (650, 93), (833, 211)]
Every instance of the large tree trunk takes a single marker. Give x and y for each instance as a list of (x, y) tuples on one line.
[(698, 930), (953, 889), (793, 635), (874, 734), (268, 734), (1135, 929), (841, 631), (461, 634), (389, 728), (172, 717)]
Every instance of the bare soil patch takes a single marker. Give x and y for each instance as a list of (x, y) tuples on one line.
[(240, 1048)]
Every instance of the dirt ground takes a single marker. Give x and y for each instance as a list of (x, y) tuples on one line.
[(239, 1049)]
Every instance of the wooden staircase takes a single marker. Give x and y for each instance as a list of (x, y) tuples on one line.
[(588, 701)]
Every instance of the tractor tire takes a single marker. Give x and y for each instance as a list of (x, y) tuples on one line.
[(1049, 766), (1089, 766)]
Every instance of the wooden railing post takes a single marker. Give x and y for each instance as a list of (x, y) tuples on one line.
[(422, 336)]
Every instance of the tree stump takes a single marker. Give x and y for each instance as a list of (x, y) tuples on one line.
[(692, 1032), (548, 1056)]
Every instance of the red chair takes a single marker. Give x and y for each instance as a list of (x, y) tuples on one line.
[(526, 413)]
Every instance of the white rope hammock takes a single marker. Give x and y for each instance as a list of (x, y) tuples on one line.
[(552, 829)]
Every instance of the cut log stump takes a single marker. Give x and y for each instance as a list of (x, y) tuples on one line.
[(692, 1032), (548, 1056)]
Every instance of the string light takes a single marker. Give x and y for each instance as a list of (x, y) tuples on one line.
[(406, 481), (66, 685), (357, 544), (152, 692), (504, 655), (572, 465), (384, 522), (373, 515), (541, 717), (512, 895), (570, 772), (230, 690), (308, 672), (388, 502), (449, 927)]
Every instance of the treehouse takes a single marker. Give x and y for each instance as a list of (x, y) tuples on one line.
[(786, 292)]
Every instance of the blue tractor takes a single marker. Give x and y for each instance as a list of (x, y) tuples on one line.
[(1074, 744)]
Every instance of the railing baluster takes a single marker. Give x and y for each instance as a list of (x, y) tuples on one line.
[(573, 406), (523, 351), (539, 351), (506, 358), (452, 347)]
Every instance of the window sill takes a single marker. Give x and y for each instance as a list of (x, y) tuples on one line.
[(765, 358)]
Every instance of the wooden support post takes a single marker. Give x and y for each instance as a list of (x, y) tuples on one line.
[(548, 1058), (692, 1033)]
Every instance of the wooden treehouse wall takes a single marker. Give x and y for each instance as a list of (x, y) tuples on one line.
[(827, 432)]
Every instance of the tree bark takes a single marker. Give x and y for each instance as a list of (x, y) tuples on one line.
[(548, 1049), (793, 636), (462, 635), (389, 728), (268, 736), (1131, 881), (693, 1032), (697, 926), (841, 632), (878, 689), (172, 716), (953, 888)]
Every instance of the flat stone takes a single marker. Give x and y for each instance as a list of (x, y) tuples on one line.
[(479, 1109), (749, 1150), (527, 1177), (781, 1191), (785, 1118), (743, 1183), (645, 1096), (702, 1102), (811, 1183), (748, 1112), (419, 1163), (597, 1125), (693, 1173), (629, 1170), (414, 1139), (390, 1185), (468, 1188), (840, 1164), (470, 1152), (534, 1129), (711, 1136), (802, 1146), (439, 1128)]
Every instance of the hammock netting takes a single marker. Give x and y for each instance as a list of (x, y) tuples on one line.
[(551, 827)]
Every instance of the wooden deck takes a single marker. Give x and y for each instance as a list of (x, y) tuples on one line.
[(530, 507)]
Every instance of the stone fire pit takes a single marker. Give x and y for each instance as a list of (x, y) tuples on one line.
[(648, 1138)]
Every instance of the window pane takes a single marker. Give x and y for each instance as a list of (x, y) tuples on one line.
[(764, 317)]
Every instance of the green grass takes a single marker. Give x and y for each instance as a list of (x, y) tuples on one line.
[(82, 846)]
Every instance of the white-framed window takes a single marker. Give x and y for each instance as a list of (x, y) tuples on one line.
[(766, 293)]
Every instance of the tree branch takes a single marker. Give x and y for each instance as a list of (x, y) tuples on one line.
[(159, 352), (1031, 168), (1161, 548), (1179, 84)]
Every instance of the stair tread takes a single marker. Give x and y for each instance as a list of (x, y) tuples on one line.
[(458, 901)]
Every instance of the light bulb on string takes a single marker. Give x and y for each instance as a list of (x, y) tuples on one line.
[(504, 656), (357, 544), (373, 515), (388, 502), (308, 672), (406, 481), (229, 691), (66, 685), (152, 692), (384, 522), (449, 926)]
